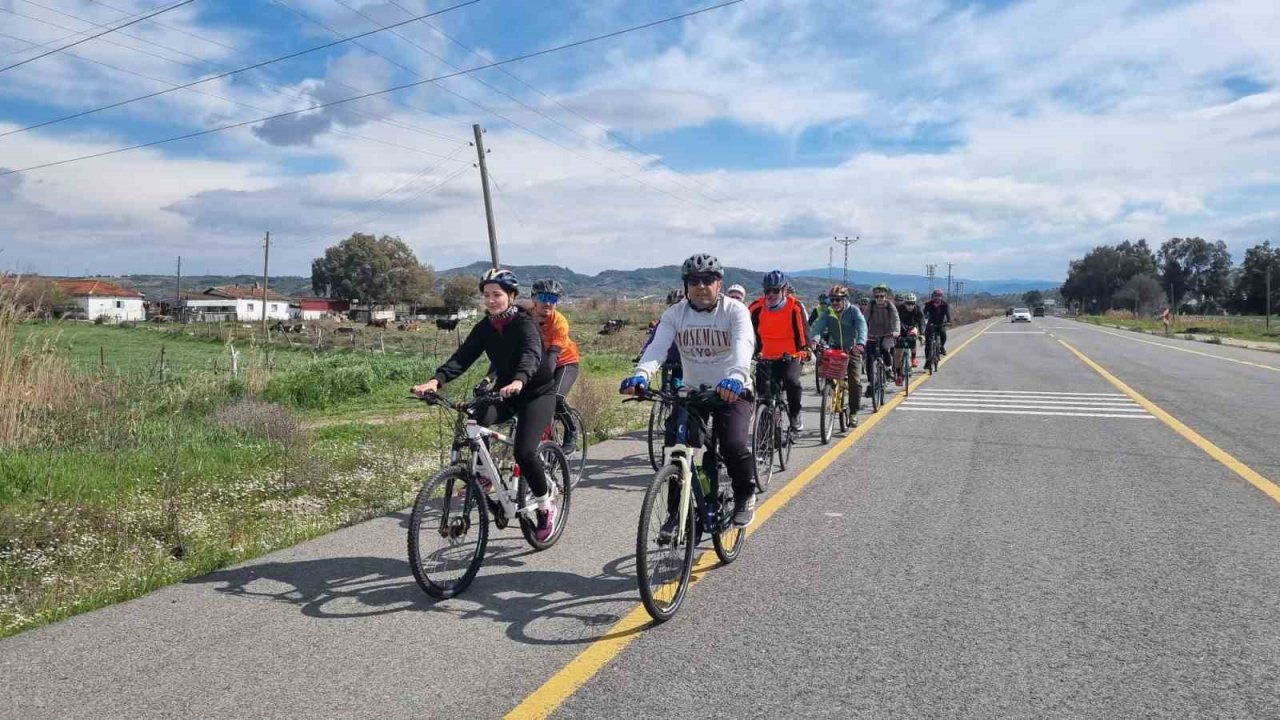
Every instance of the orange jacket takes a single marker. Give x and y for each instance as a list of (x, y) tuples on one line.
[(555, 333), (779, 332)]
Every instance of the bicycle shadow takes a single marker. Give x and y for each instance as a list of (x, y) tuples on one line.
[(537, 607)]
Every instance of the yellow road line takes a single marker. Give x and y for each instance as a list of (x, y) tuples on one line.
[(1129, 336), (1195, 438), (554, 692)]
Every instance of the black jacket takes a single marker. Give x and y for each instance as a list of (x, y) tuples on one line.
[(937, 314), (515, 353)]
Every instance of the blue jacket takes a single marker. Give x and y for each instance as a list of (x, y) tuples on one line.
[(848, 330)]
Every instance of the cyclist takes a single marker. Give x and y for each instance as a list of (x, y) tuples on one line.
[(937, 315), (824, 305), (882, 328), (737, 292), (780, 334), (524, 376), (912, 321), (847, 330), (715, 342), (864, 304), (554, 329)]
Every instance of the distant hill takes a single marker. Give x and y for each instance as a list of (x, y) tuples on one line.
[(920, 283)]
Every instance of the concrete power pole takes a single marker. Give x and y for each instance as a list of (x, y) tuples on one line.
[(1270, 262), (949, 266), (266, 257), (930, 271), (846, 241), (488, 202), (177, 293), (831, 253), (959, 291)]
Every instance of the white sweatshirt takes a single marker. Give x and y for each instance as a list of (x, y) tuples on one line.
[(714, 345)]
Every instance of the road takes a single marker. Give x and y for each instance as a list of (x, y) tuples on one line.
[(1019, 538)]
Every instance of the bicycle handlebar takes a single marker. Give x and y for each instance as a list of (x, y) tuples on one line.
[(435, 398), (703, 396)]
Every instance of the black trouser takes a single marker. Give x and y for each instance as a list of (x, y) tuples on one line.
[(565, 377), (787, 371), (942, 334), (884, 346), (533, 416), (732, 427)]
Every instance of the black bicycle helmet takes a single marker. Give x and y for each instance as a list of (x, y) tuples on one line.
[(504, 278), (701, 264), (548, 285), (774, 279)]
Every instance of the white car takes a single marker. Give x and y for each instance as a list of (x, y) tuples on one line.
[(1021, 315)]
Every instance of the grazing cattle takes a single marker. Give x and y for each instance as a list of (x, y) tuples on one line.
[(379, 323), (612, 327), (451, 324), (345, 331), (409, 326)]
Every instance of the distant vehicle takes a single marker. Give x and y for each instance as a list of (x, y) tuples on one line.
[(1037, 311), (1008, 311), (1021, 315)]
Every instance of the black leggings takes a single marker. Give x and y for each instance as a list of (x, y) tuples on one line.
[(941, 330), (788, 371), (565, 377), (732, 428), (533, 416)]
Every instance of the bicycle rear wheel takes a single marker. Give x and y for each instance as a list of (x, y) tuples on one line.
[(559, 430), (448, 533), (763, 446), (664, 561), (556, 466), (826, 420), (657, 432)]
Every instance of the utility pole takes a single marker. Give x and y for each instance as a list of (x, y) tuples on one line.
[(831, 252), (959, 291), (177, 294), (266, 255), (846, 241), (949, 265), (1270, 262), (930, 271), (488, 202)]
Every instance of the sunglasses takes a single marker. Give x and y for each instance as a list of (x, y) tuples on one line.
[(880, 297), (547, 298), (702, 280)]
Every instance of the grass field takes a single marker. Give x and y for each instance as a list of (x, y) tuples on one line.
[(1241, 328)]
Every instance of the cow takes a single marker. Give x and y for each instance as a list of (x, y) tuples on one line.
[(450, 324), (612, 327), (381, 323)]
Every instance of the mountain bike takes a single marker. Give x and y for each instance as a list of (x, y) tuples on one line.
[(933, 347), (658, 415), (559, 430), (673, 516), (904, 367), (771, 431), (878, 373), (449, 525), (833, 371)]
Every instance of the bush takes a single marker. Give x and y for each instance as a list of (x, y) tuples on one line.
[(259, 419), (328, 381)]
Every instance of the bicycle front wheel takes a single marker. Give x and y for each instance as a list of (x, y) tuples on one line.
[(730, 538), (448, 532), (784, 439), (657, 432), (762, 446), (826, 418), (906, 373), (664, 559), (881, 379)]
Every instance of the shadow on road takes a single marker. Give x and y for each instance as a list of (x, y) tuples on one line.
[(538, 607)]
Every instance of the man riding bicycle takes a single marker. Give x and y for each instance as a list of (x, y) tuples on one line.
[(883, 327), (912, 321), (847, 330), (780, 335), (715, 340), (937, 316)]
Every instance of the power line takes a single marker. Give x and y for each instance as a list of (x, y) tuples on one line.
[(51, 43), (280, 89), (104, 32), (126, 71), (396, 88), (218, 76)]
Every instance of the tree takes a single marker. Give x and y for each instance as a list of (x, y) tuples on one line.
[(1032, 298), (1142, 292), (460, 291), (1197, 270), (376, 271), (1251, 283)]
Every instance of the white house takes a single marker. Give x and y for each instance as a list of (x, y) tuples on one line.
[(100, 298), (247, 302)]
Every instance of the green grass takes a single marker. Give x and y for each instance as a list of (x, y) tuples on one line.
[(1239, 328)]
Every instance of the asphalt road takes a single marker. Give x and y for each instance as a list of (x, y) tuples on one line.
[(1016, 539)]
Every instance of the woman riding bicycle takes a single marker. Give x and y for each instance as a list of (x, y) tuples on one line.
[(911, 317), (781, 335), (553, 327), (846, 329), (883, 326), (524, 376), (714, 337)]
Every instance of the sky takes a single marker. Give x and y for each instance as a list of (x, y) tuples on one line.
[(1004, 137)]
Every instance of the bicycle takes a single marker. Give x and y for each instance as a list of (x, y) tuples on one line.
[(671, 526), (878, 373), (454, 506), (771, 428), (933, 348), (559, 430), (833, 372), (818, 349), (658, 416), (904, 367)]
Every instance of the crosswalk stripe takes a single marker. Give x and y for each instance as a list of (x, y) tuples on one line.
[(1127, 416)]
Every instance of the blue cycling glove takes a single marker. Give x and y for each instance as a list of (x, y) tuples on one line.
[(639, 382), (733, 386)]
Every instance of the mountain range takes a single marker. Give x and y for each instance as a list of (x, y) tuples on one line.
[(920, 283)]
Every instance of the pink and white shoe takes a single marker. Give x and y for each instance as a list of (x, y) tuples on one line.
[(546, 522)]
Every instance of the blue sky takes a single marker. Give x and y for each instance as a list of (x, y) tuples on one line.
[(1004, 137)]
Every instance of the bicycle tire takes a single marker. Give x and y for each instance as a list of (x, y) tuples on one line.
[(578, 462), (730, 538), (877, 377), (882, 380), (785, 438), (825, 419), (906, 373), (657, 432), (652, 588), (762, 446), (556, 466), (840, 401), (444, 485)]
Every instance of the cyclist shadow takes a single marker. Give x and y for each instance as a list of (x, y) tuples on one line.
[(538, 607), (631, 472)]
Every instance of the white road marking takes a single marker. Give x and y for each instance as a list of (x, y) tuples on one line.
[(1015, 332), (1127, 416), (958, 391), (1095, 402), (1037, 406)]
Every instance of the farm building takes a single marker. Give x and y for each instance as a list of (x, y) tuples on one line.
[(245, 301), (318, 308), (100, 298)]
